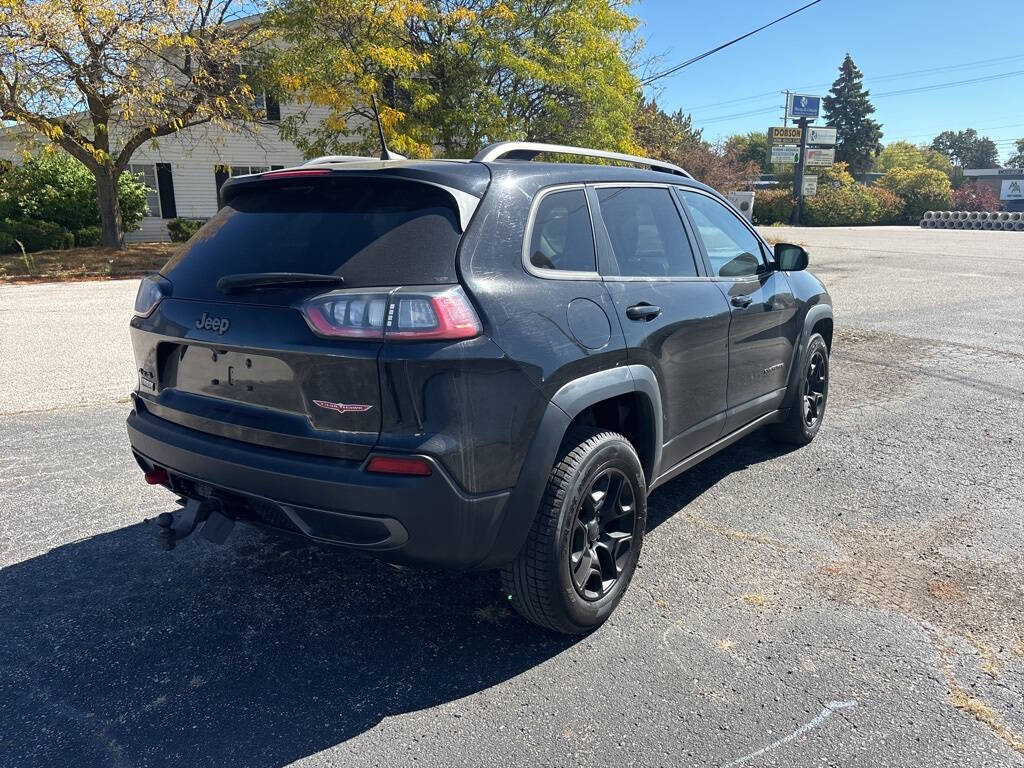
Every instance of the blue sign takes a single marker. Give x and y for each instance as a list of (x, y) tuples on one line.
[(801, 105)]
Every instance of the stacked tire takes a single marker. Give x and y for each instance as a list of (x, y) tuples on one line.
[(1005, 221)]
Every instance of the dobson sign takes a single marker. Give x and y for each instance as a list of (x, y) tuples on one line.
[(802, 105), (822, 136), (781, 135)]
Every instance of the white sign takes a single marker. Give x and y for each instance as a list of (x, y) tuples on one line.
[(824, 136), (785, 154), (810, 188), (1013, 189), (820, 157)]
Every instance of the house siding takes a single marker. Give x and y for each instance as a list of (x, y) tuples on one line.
[(193, 155)]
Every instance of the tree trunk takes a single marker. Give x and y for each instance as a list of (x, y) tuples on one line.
[(110, 209)]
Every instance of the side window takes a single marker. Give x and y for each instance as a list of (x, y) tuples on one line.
[(562, 236), (646, 232), (733, 249)]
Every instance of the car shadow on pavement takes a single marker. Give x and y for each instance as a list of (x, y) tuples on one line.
[(253, 654)]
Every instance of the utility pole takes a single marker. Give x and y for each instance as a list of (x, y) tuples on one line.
[(798, 176), (785, 112)]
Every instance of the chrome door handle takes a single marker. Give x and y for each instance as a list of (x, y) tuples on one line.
[(741, 301)]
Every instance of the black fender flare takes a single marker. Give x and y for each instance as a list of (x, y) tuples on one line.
[(567, 403), (814, 315)]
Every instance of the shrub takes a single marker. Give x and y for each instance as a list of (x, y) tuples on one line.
[(773, 205), (972, 196), (7, 244), (181, 230), (87, 236), (922, 189), (890, 205), (841, 207), (54, 187), (38, 235)]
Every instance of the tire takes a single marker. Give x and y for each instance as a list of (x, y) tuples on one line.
[(570, 531), (808, 410)]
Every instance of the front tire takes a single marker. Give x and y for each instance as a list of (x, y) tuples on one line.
[(583, 547), (808, 408)]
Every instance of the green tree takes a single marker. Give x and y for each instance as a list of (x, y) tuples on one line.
[(922, 189), (750, 147), (53, 186), (1017, 160), (903, 154), (966, 149), (848, 110), (100, 78), (453, 75)]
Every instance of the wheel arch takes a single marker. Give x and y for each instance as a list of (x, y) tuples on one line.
[(576, 402), (819, 319)]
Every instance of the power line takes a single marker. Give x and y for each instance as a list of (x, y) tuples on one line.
[(873, 79), (688, 62)]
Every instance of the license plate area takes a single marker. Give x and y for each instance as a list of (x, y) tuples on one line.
[(232, 375)]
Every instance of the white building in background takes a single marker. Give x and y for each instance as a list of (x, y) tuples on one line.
[(184, 171)]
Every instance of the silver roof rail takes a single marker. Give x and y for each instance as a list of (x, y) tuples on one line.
[(338, 159), (527, 150)]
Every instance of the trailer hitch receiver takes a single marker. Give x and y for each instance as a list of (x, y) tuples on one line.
[(174, 526)]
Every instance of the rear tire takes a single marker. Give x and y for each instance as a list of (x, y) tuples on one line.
[(583, 547), (810, 399)]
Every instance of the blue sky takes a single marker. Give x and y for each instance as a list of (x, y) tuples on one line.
[(886, 39)]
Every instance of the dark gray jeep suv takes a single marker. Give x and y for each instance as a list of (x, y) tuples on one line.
[(473, 364)]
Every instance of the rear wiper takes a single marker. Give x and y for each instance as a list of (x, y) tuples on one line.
[(264, 281)]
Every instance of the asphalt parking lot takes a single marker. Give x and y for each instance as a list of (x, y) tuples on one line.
[(858, 602)]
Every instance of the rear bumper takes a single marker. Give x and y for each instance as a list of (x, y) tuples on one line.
[(416, 520)]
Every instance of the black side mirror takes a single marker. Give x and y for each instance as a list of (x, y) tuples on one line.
[(790, 258)]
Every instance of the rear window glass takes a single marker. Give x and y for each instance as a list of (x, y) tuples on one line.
[(371, 232), (563, 237)]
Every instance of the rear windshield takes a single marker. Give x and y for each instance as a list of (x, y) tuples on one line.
[(371, 232)]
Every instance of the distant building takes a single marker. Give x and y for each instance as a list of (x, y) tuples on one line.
[(1007, 183)]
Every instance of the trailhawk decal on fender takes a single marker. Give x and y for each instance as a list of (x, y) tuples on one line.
[(343, 407)]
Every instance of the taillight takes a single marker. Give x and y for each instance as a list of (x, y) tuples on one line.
[(152, 289), (408, 313), (399, 465)]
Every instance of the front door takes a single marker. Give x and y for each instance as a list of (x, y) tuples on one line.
[(674, 318), (763, 309)]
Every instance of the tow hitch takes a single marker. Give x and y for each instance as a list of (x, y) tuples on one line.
[(174, 526)]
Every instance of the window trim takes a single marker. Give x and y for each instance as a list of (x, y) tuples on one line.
[(155, 188), (766, 251), (558, 274), (684, 220)]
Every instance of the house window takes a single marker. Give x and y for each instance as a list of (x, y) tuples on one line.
[(147, 173), (262, 102), (243, 170)]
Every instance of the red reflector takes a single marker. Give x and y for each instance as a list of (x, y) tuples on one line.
[(399, 465), (157, 477), (296, 173)]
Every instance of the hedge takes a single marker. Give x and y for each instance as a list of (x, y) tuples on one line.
[(772, 206), (87, 236), (922, 189), (181, 230), (36, 235)]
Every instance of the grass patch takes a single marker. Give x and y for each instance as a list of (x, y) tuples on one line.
[(96, 263)]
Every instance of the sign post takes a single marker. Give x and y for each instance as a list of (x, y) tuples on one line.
[(798, 177), (804, 109)]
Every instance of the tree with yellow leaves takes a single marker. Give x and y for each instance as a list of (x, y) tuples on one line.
[(100, 78), (453, 75)]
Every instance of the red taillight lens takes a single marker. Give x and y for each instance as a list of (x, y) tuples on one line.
[(156, 476), (400, 313), (399, 465)]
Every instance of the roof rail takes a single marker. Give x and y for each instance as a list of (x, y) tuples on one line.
[(527, 150), (338, 159)]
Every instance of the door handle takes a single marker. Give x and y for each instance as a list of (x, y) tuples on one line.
[(741, 301), (643, 311)]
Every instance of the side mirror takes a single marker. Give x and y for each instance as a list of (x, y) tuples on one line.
[(790, 258)]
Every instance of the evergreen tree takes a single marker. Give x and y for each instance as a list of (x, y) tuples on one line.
[(848, 109)]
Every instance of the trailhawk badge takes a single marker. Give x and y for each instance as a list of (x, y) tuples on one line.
[(343, 407)]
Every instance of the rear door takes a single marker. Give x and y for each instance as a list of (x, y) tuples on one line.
[(249, 363), (763, 308), (675, 319)]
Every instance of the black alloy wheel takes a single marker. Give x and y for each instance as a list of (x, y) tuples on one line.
[(602, 534), (815, 388)]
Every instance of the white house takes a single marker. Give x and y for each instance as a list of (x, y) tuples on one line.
[(184, 171)]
